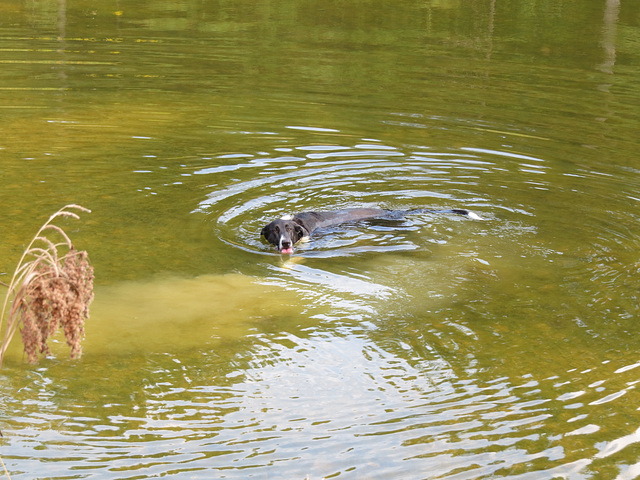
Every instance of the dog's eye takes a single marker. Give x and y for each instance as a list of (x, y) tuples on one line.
[(277, 229)]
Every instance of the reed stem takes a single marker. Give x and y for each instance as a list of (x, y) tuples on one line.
[(52, 287)]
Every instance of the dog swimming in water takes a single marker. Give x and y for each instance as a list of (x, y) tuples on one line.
[(285, 232)]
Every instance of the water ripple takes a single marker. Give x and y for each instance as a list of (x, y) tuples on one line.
[(332, 176), (278, 409)]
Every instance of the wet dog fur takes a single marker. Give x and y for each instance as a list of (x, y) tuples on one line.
[(285, 232)]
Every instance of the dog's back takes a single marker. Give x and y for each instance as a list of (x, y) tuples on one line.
[(314, 220)]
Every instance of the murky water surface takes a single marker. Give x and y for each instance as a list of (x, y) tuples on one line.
[(425, 346)]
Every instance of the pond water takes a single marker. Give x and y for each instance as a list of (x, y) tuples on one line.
[(426, 346)]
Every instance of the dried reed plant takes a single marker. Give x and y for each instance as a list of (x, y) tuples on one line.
[(5, 469), (52, 287)]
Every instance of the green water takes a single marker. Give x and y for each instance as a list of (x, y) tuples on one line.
[(430, 346)]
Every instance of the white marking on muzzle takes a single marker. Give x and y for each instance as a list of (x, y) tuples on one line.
[(280, 242)]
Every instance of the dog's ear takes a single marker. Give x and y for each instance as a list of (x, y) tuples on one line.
[(300, 231)]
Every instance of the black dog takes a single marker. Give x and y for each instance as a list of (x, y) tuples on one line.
[(285, 232)]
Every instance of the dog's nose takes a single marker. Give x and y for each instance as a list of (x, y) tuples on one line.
[(286, 244)]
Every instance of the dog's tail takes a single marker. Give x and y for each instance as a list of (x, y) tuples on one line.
[(457, 211)]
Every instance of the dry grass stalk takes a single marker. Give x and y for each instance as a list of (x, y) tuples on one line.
[(5, 469), (49, 289)]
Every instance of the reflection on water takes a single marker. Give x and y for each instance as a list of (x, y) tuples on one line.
[(275, 405), (423, 346)]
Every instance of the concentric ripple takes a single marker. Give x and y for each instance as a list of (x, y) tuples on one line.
[(276, 408), (329, 177)]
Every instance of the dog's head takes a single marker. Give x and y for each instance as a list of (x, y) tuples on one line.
[(283, 233)]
